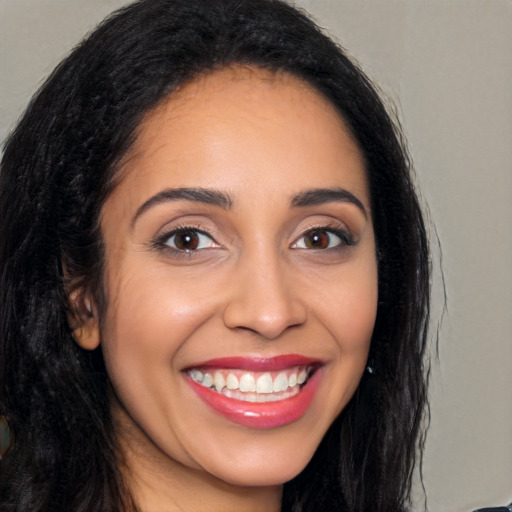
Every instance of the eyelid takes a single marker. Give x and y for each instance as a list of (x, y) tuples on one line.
[(328, 223), (160, 242)]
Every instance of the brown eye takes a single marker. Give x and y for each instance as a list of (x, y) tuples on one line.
[(317, 239), (323, 238), (188, 240)]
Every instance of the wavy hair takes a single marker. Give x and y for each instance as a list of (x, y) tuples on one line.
[(60, 164)]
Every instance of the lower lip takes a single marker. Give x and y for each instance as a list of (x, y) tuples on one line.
[(264, 415)]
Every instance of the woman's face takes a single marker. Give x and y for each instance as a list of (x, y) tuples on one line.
[(240, 277)]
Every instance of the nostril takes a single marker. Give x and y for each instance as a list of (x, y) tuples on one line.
[(258, 333), (259, 321)]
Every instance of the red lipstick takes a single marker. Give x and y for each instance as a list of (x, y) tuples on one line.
[(260, 364), (260, 415)]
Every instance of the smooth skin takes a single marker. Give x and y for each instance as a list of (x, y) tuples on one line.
[(261, 270)]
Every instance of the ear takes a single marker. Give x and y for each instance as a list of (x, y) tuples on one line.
[(84, 320)]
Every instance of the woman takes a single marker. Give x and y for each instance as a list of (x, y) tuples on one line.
[(215, 281)]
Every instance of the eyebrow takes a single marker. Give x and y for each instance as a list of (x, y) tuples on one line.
[(199, 195), (311, 197), (318, 196)]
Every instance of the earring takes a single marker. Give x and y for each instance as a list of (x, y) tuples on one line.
[(6, 437), (370, 368)]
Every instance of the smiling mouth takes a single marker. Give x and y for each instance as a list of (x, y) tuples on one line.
[(255, 392), (253, 386)]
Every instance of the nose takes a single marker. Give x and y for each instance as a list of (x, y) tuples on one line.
[(263, 298)]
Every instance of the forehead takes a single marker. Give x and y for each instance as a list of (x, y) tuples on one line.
[(244, 125)]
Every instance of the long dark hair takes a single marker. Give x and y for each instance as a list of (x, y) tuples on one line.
[(58, 168)]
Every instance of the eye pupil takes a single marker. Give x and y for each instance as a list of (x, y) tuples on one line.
[(317, 239), (186, 240)]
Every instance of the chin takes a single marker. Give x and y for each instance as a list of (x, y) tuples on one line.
[(269, 467)]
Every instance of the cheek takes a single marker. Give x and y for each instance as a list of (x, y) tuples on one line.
[(349, 312), (347, 305), (357, 308), (149, 298), (149, 316), (352, 326)]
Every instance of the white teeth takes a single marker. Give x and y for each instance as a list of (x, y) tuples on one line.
[(264, 384), (231, 382), (280, 383), (219, 381), (197, 375), (250, 387), (207, 380), (303, 375), (247, 383)]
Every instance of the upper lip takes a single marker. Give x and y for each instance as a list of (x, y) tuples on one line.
[(257, 363)]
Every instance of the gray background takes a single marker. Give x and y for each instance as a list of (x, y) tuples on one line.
[(447, 65)]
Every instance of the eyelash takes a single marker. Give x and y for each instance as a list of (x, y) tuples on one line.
[(162, 241), (346, 238)]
